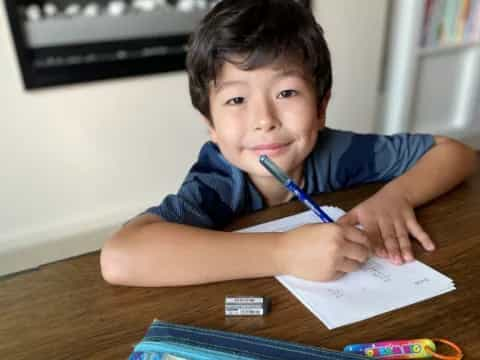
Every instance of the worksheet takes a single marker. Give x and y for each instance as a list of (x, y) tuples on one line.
[(378, 287)]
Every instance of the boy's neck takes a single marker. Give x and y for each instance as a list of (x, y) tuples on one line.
[(275, 193)]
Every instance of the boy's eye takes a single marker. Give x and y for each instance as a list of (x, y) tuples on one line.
[(235, 101), (287, 93)]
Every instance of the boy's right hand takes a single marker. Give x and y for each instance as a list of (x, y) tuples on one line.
[(323, 252)]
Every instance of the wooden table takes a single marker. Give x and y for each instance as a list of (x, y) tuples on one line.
[(66, 311)]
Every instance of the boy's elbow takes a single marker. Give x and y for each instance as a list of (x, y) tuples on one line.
[(113, 262), (471, 160), (121, 257), (464, 154), (475, 162)]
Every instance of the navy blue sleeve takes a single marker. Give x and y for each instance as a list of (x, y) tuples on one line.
[(342, 158), (371, 158), (209, 196)]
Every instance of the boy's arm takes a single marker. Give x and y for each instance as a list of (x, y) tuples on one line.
[(388, 216), (444, 166), (151, 252)]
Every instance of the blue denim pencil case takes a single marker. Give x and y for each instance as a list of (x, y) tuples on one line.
[(165, 341)]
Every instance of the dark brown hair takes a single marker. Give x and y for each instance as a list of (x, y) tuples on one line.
[(261, 32)]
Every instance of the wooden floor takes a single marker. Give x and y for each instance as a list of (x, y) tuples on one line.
[(66, 311)]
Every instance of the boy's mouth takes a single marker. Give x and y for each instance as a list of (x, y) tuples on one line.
[(271, 149)]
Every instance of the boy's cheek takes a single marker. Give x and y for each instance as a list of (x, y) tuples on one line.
[(229, 132)]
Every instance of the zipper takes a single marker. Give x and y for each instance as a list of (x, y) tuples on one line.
[(186, 351)]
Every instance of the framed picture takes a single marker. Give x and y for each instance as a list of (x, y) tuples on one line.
[(70, 41)]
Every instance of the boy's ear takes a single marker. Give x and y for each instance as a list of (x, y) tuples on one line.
[(211, 130)]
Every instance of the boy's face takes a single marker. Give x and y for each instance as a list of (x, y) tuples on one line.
[(271, 110)]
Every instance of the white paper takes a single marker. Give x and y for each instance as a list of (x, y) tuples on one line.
[(378, 287)]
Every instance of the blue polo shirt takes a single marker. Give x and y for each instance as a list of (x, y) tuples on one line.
[(215, 192)]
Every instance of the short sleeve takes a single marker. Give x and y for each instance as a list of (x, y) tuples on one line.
[(212, 193), (342, 159), (371, 158)]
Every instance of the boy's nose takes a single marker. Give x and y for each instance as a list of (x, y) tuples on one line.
[(265, 118), (266, 124)]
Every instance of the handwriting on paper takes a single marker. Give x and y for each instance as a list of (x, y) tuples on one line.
[(377, 270)]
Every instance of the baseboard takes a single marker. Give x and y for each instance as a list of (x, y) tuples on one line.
[(27, 258), (36, 247)]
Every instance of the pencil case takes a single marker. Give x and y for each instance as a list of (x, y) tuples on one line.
[(166, 341)]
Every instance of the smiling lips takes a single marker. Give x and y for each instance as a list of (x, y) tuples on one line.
[(270, 149)]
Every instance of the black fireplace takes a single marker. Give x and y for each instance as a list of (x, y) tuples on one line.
[(71, 41)]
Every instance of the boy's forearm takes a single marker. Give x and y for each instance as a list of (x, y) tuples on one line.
[(444, 166), (167, 254)]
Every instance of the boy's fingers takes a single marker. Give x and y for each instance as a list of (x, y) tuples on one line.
[(419, 234), (404, 242), (338, 275), (390, 240), (357, 236), (380, 251), (356, 251), (348, 265), (379, 246), (375, 237), (348, 219)]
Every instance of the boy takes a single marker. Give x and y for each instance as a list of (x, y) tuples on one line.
[(259, 73)]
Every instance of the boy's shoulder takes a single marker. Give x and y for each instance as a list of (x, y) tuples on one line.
[(211, 195), (335, 143), (211, 170), (343, 158), (210, 157), (341, 142)]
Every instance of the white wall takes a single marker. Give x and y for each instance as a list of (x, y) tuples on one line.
[(354, 31), (79, 160)]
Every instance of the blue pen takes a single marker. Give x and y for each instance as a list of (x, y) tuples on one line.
[(294, 188)]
